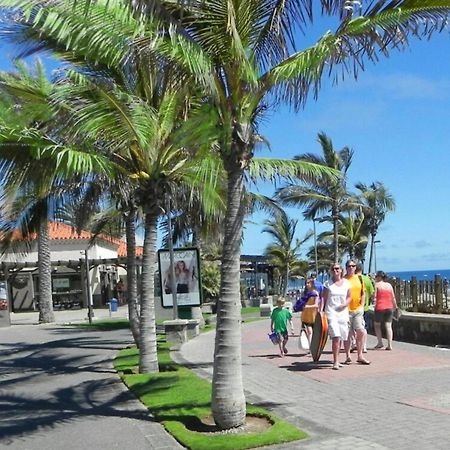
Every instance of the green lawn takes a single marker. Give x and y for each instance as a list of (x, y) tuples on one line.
[(177, 397)]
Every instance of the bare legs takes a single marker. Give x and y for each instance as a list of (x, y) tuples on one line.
[(389, 334), (282, 344), (388, 326), (335, 347), (361, 335), (377, 327)]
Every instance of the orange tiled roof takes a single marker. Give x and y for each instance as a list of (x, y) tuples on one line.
[(62, 231), (122, 250)]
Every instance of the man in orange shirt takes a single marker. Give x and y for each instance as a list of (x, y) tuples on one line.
[(356, 310)]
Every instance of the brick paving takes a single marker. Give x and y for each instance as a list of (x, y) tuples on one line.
[(400, 401)]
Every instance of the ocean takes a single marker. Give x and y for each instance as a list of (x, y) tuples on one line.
[(421, 274), (405, 275)]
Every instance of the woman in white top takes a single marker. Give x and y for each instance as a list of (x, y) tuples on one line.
[(336, 298)]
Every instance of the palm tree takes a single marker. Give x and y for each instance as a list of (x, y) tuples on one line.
[(284, 252), (351, 235), (243, 54), (28, 202), (325, 256), (319, 198), (377, 202)]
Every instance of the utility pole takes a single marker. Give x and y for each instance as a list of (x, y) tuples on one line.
[(173, 285), (88, 287)]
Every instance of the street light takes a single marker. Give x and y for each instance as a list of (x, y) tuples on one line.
[(88, 287), (173, 286), (375, 254)]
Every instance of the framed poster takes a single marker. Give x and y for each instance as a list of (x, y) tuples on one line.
[(187, 277)]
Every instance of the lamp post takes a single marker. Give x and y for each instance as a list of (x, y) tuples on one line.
[(316, 263), (173, 285), (375, 254), (88, 287)]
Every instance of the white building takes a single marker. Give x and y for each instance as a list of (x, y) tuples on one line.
[(69, 270)]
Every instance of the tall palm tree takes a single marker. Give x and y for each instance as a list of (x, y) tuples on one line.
[(351, 235), (28, 202), (243, 54), (319, 198), (377, 201), (284, 252)]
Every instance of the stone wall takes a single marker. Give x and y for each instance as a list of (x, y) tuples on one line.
[(421, 328)]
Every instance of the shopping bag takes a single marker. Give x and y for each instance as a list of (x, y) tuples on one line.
[(274, 337), (303, 343)]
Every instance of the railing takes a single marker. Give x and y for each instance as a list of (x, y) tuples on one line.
[(429, 296)]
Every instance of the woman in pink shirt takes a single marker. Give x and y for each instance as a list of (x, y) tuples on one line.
[(385, 304)]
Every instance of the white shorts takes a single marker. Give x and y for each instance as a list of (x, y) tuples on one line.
[(337, 328)]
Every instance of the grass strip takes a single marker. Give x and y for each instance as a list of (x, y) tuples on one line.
[(178, 398)]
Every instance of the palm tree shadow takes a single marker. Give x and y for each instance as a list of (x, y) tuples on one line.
[(45, 370)]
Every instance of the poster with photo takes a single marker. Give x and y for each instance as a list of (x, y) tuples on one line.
[(187, 277)]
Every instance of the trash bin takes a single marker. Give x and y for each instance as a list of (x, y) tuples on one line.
[(113, 304)]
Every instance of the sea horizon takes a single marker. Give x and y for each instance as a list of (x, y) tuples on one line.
[(420, 274), (405, 275)]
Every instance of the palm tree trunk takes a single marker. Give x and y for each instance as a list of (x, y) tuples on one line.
[(132, 275), (46, 314), (286, 282), (335, 239), (148, 358), (228, 400)]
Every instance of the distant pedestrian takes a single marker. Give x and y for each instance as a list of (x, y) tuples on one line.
[(385, 305), (279, 323), (336, 298), (317, 284)]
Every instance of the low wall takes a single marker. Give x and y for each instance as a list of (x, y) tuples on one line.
[(420, 328)]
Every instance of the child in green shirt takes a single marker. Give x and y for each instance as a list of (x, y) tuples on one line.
[(278, 323)]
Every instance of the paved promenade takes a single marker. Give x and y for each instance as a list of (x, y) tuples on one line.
[(58, 391), (401, 401)]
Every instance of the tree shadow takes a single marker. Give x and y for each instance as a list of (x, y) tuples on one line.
[(45, 385)]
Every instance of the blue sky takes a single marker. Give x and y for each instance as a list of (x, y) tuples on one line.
[(396, 118)]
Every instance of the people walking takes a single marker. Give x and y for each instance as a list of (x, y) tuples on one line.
[(385, 305), (280, 318), (308, 315), (369, 290), (356, 313), (336, 298)]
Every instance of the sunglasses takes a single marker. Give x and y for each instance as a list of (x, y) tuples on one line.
[(351, 265), (336, 268)]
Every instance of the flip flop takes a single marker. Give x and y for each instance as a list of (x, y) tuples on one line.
[(364, 362), (348, 361)]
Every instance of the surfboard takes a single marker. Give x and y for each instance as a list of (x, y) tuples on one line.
[(319, 336)]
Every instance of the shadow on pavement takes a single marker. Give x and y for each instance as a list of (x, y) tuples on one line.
[(48, 384)]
